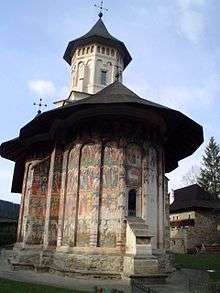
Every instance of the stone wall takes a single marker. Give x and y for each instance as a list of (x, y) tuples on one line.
[(202, 231), (205, 230)]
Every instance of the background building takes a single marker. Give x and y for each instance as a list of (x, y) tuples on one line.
[(9, 213), (194, 219)]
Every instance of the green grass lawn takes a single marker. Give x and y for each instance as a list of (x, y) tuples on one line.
[(8, 286), (202, 262)]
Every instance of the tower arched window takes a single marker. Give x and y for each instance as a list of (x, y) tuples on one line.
[(103, 50), (108, 51), (98, 49), (112, 52), (132, 198), (103, 77)]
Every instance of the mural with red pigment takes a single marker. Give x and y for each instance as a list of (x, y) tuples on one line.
[(109, 196), (89, 188), (37, 203), (71, 195), (55, 198), (133, 165)]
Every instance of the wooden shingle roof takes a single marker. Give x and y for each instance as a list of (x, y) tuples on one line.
[(193, 197), (181, 135)]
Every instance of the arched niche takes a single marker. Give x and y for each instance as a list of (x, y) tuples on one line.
[(88, 69), (99, 64), (71, 187), (80, 75), (89, 186), (37, 203), (109, 195), (132, 203)]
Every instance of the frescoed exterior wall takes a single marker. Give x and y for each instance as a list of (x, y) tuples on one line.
[(109, 196), (37, 203), (88, 191), (70, 195), (76, 198), (134, 165), (53, 200)]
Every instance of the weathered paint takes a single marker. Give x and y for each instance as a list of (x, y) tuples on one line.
[(53, 198), (108, 219), (76, 198), (37, 203)]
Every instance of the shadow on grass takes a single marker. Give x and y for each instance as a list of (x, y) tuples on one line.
[(201, 262), (20, 287)]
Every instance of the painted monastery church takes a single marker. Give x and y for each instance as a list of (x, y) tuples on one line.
[(92, 171)]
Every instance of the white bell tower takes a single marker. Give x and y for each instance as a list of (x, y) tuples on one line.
[(96, 60), (94, 67)]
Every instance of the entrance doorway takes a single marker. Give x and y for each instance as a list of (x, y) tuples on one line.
[(132, 203)]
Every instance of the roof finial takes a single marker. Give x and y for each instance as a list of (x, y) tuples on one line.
[(40, 105), (101, 9)]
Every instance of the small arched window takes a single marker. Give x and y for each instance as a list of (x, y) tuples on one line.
[(98, 49), (112, 52), (108, 51), (103, 50), (132, 203), (103, 77)]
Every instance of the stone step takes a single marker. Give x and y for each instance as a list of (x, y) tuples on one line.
[(138, 280), (135, 220), (138, 226), (141, 233)]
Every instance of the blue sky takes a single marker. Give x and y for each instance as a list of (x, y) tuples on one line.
[(175, 45)]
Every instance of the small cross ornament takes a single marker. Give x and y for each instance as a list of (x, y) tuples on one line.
[(101, 9), (40, 105)]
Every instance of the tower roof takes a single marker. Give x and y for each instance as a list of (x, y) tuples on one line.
[(99, 34)]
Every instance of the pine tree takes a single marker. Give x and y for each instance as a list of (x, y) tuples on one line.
[(209, 178)]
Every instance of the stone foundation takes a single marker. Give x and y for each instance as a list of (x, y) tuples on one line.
[(99, 265), (88, 264), (140, 266), (68, 263)]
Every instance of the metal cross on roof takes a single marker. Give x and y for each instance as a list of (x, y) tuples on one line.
[(40, 105), (101, 9)]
